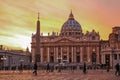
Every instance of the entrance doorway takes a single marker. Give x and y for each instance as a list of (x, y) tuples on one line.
[(64, 57), (70, 60), (77, 59), (51, 59), (93, 58), (107, 59)]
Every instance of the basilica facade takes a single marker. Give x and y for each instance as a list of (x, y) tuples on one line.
[(71, 45)]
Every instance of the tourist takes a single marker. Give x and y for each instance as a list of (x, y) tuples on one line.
[(52, 68), (48, 68), (59, 67), (108, 68), (84, 68), (117, 69), (35, 69), (21, 68)]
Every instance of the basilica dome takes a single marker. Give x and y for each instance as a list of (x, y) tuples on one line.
[(71, 27)]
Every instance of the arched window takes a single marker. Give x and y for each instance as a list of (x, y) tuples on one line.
[(93, 37)]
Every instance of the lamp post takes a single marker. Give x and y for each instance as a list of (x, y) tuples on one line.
[(21, 61), (4, 59), (59, 61)]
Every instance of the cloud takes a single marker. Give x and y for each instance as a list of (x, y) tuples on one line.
[(18, 17)]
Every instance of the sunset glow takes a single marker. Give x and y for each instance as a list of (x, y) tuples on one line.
[(18, 18)]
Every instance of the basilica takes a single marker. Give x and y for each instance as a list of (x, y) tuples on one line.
[(71, 45)]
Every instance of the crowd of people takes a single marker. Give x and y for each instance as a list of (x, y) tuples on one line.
[(50, 67)]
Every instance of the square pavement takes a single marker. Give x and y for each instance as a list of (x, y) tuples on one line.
[(64, 75)]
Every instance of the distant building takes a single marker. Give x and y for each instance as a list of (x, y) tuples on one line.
[(110, 49), (10, 58), (73, 46)]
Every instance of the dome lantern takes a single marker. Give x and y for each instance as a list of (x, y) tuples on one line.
[(71, 16)]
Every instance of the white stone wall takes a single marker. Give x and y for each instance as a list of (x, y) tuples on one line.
[(14, 59), (111, 52)]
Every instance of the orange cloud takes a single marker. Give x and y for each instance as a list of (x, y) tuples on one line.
[(18, 18)]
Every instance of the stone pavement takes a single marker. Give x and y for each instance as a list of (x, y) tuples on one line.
[(64, 75)]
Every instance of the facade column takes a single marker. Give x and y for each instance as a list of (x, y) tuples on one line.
[(61, 55), (88, 54), (56, 54), (118, 57), (48, 52), (33, 54), (97, 55), (103, 58), (67, 54), (111, 60), (81, 54), (72, 55), (41, 51)]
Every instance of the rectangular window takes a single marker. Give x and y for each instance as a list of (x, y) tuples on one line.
[(115, 56)]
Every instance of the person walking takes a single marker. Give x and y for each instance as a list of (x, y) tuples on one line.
[(21, 68), (108, 68), (35, 69), (48, 68), (84, 68), (117, 69)]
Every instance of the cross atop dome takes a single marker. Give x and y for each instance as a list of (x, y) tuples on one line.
[(71, 17), (38, 15)]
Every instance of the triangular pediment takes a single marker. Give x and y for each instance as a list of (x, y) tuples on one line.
[(64, 40)]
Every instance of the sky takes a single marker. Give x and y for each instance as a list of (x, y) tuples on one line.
[(18, 18)]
